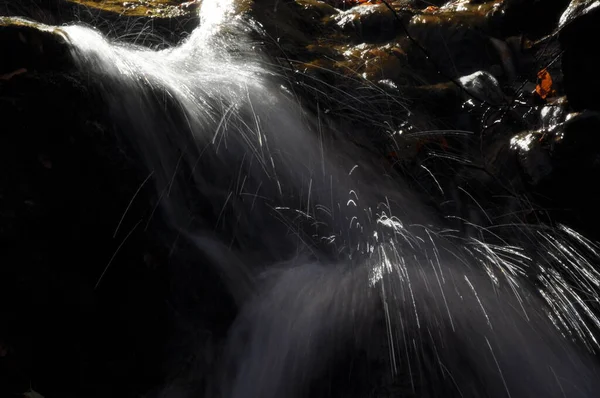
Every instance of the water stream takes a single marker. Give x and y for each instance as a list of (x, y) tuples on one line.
[(325, 252)]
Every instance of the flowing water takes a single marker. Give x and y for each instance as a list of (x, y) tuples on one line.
[(326, 253)]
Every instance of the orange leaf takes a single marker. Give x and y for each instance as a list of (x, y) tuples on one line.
[(431, 9), (544, 86)]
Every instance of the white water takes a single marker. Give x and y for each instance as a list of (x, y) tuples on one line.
[(211, 119)]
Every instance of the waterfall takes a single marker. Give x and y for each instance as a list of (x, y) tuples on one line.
[(221, 135), (326, 253)]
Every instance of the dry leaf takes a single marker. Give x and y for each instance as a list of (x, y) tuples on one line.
[(544, 86)]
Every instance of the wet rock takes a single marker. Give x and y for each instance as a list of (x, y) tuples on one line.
[(481, 7), (518, 56), (49, 11), (346, 62), (43, 11), (456, 40), (534, 18), (427, 3), (155, 23), (318, 9), (368, 23), (545, 175), (533, 159), (576, 142), (152, 23), (580, 66), (534, 148), (556, 165), (54, 218), (576, 9), (483, 86), (379, 63), (32, 46), (293, 27), (142, 8), (452, 103)]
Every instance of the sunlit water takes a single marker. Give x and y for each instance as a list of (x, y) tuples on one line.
[(253, 180)]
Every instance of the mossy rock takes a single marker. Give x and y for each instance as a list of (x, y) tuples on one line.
[(141, 8)]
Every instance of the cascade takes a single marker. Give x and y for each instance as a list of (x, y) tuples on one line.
[(328, 257)]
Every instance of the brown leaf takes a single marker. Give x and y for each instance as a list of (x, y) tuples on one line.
[(544, 86)]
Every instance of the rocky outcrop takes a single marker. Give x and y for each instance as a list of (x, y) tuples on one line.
[(388, 73), (151, 23), (579, 24)]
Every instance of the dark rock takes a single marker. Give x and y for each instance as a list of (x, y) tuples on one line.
[(49, 12), (32, 46), (534, 160), (580, 65), (561, 163), (65, 181), (150, 25), (576, 9), (576, 143), (368, 23), (482, 86), (457, 43), (534, 18)]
